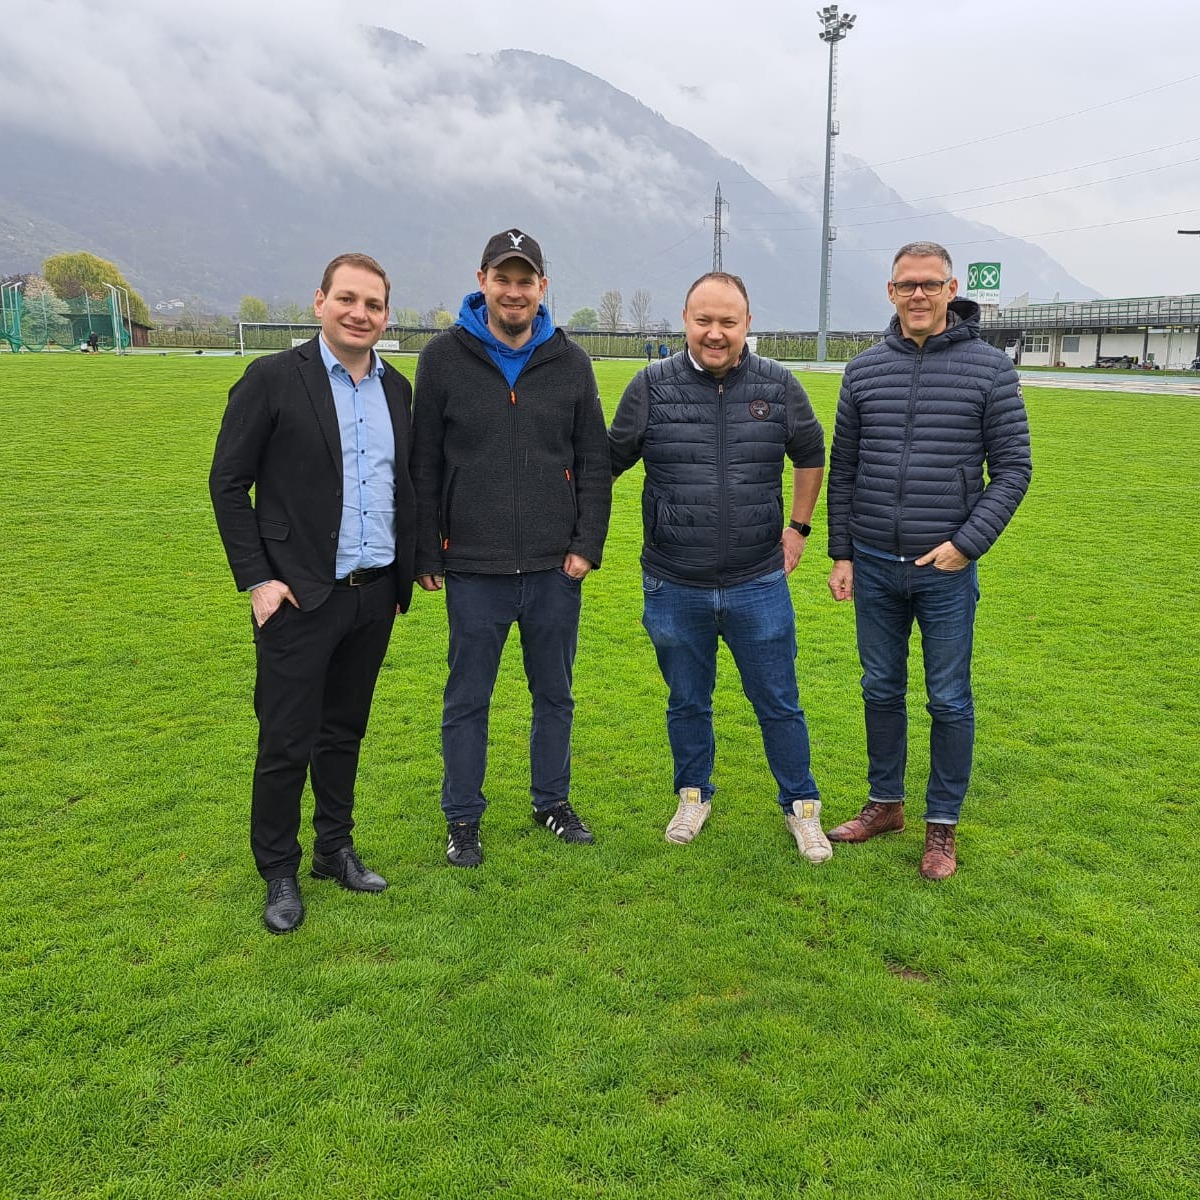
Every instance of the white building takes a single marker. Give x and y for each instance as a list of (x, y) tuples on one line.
[(1163, 330)]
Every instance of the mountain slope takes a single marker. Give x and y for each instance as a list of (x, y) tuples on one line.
[(421, 162)]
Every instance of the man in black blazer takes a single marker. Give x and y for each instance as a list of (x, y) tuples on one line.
[(321, 433)]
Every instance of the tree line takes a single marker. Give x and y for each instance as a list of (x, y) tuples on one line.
[(610, 316)]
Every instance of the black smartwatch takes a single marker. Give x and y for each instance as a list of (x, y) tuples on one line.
[(800, 527)]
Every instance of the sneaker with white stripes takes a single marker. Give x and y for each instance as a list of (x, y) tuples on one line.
[(804, 821), (463, 847), (563, 821), (689, 817)]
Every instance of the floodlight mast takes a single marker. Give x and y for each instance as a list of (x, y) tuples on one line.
[(834, 28)]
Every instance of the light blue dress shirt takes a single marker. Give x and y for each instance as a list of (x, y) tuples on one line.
[(368, 532)]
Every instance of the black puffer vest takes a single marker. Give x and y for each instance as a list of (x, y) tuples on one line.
[(712, 503)]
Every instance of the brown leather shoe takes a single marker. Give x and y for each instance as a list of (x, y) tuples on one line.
[(875, 818), (938, 861)]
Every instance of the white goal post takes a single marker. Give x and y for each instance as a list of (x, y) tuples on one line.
[(265, 337)]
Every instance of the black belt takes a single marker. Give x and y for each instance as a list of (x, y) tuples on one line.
[(361, 576)]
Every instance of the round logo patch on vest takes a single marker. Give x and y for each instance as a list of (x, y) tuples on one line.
[(760, 410)]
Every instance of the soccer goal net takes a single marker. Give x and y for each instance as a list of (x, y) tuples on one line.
[(255, 337)]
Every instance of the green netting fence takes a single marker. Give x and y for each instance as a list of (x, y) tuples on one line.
[(41, 320)]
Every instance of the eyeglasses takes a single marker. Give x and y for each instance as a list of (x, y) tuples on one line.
[(931, 287)]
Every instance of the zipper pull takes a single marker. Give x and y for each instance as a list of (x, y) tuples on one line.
[(567, 473), (445, 543), (512, 396)]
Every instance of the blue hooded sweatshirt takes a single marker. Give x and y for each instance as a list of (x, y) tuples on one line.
[(473, 318)]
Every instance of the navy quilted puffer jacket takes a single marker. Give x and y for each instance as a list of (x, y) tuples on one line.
[(915, 427), (714, 452)]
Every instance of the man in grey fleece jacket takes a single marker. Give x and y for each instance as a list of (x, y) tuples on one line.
[(511, 470)]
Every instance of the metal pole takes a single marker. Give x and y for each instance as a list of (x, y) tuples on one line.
[(833, 29), (826, 244), (16, 312)]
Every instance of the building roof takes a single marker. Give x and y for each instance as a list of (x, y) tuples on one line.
[(1135, 312)]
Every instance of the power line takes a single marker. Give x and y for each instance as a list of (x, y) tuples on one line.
[(987, 187), (1018, 237), (921, 216), (991, 137)]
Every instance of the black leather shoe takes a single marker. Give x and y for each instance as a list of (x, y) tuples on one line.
[(285, 910), (346, 867)]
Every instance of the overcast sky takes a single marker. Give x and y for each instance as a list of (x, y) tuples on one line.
[(1071, 124), (1036, 97)]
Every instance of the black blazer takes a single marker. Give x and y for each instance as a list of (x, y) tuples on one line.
[(280, 436)]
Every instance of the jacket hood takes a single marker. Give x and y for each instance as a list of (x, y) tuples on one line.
[(472, 316), (962, 323)]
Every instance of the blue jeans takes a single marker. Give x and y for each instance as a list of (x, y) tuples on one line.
[(758, 623), (887, 597), (481, 609)]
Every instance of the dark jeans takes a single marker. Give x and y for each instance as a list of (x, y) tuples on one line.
[(481, 610), (312, 695), (888, 596), (758, 623)]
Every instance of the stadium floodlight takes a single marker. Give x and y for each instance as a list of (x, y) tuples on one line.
[(834, 27)]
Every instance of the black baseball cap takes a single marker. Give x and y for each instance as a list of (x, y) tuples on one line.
[(512, 243)]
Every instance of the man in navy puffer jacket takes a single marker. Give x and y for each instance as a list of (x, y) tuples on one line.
[(714, 427), (910, 510)]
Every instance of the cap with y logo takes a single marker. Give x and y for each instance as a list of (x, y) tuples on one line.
[(512, 243)]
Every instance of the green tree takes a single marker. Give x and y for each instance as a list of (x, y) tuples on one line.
[(585, 320), (253, 309), (82, 274), (407, 318), (43, 315), (437, 318)]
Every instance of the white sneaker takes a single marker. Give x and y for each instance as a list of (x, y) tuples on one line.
[(805, 823), (689, 817)]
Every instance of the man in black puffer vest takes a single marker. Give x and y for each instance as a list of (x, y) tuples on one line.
[(910, 510), (713, 426)]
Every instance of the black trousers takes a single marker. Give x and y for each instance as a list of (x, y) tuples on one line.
[(316, 676)]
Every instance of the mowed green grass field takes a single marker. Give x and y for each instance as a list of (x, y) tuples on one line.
[(628, 1020)]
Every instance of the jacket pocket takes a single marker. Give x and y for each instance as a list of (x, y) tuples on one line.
[(569, 481), (274, 531), (650, 516), (448, 500), (970, 495)]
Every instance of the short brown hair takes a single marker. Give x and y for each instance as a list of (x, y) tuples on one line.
[(366, 262), (719, 277)]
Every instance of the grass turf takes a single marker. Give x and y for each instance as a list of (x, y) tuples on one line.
[(628, 1020)]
